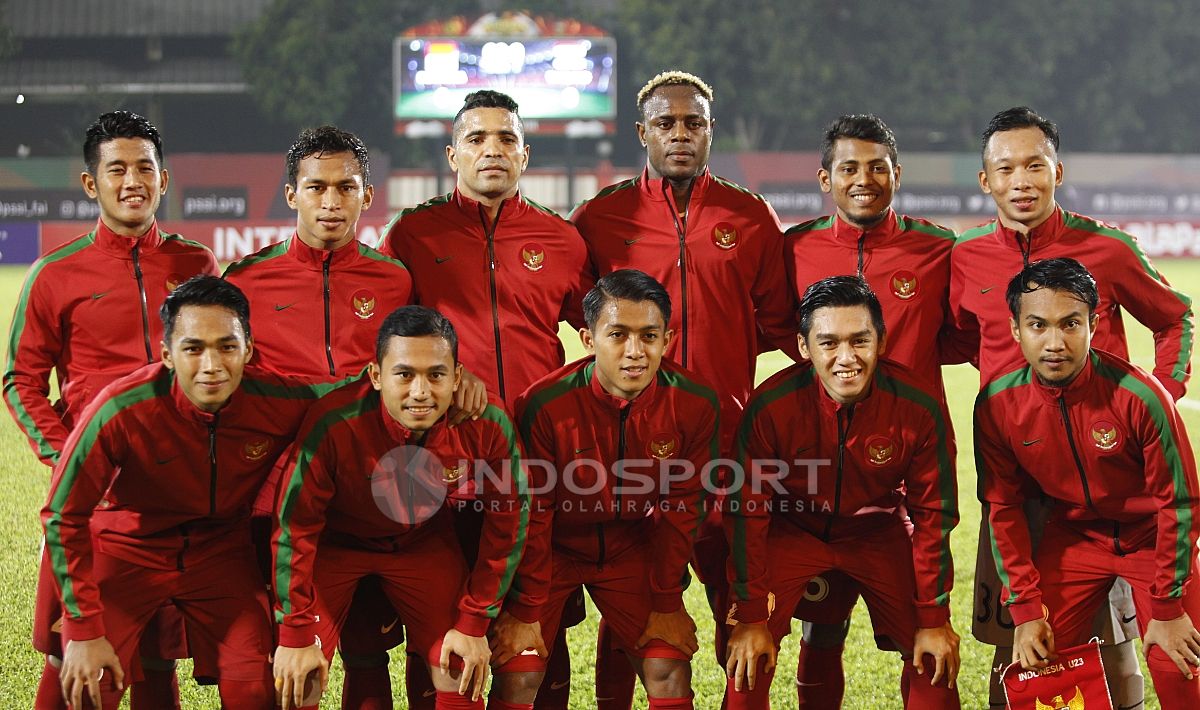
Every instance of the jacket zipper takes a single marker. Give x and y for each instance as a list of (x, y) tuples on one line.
[(212, 466), (843, 434), (137, 272), (328, 344), (681, 232), (620, 457), (861, 246), (1087, 494), (490, 231)]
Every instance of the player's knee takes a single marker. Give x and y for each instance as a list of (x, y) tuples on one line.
[(517, 687), (667, 677), (825, 635), (364, 660)]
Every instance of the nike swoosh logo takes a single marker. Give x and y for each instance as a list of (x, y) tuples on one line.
[(1126, 620), (98, 296), (985, 290), (559, 685), (631, 242), (386, 628), (429, 694), (586, 448), (442, 259), (163, 462), (1029, 443), (283, 308)]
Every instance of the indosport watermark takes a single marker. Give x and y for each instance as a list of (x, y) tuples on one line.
[(410, 484)]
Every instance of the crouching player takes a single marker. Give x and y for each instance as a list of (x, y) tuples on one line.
[(629, 438), (150, 505), (871, 462), (364, 494), (1102, 440)]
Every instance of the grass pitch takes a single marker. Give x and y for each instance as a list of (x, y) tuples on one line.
[(872, 676)]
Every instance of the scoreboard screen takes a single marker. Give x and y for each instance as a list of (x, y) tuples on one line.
[(551, 78)]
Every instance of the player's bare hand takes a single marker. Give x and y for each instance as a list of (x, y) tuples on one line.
[(746, 644), (292, 669), (941, 643), (1033, 644), (470, 399), (1179, 639), (675, 628), (84, 664), (475, 654), (510, 637)]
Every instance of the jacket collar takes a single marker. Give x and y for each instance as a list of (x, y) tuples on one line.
[(1039, 236), (830, 407), (121, 247), (472, 208), (189, 411), (401, 434), (659, 189), (849, 234), (611, 402), (1074, 392), (315, 258)]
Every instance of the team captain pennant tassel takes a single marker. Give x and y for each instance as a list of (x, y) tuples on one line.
[(1073, 681)]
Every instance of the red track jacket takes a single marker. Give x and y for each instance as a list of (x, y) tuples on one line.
[(987, 257), (907, 263), (665, 438), (722, 266), (1111, 452), (315, 314), (89, 311), (504, 285), (340, 487), (149, 478), (888, 455)]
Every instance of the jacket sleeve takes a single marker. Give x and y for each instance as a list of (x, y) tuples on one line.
[(532, 584), (1002, 493), (960, 338), (582, 281), (747, 520), (1171, 478), (932, 501), (682, 509), (1148, 297), (505, 497), (774, 306), (91, 457), (304, 495), (34, 348)]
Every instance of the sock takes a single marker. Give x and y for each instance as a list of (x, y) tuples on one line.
[(757, 699), (158, 689), (248, 694), (919, 694), (49, 691), (615, 677), (671, 704), (495, 703), (451, 700), (555, 691), (996, 697), (820, 682), (417, 683), (1174, 691), (368, 685)]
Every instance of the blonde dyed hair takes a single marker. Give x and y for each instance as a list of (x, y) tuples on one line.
[(674, 78)]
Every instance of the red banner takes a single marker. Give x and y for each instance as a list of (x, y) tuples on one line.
[(1073, 681)]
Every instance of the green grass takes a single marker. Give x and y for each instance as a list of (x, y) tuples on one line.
[(872, 676)]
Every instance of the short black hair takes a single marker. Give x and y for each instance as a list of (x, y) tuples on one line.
[(1061, 274), (864, 126), (415, 322), (838, 292), (118, 124), (204, 290), (627, 284), (486, 98), (1017, 117), (327, 140)]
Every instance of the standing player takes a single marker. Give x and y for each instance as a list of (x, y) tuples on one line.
[(502, 268), (892, 470), (631, 438), (907, 261), (150, 504), (87, 312), (337, 525), (717, 249), (1021, 171), (1100, 438)]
